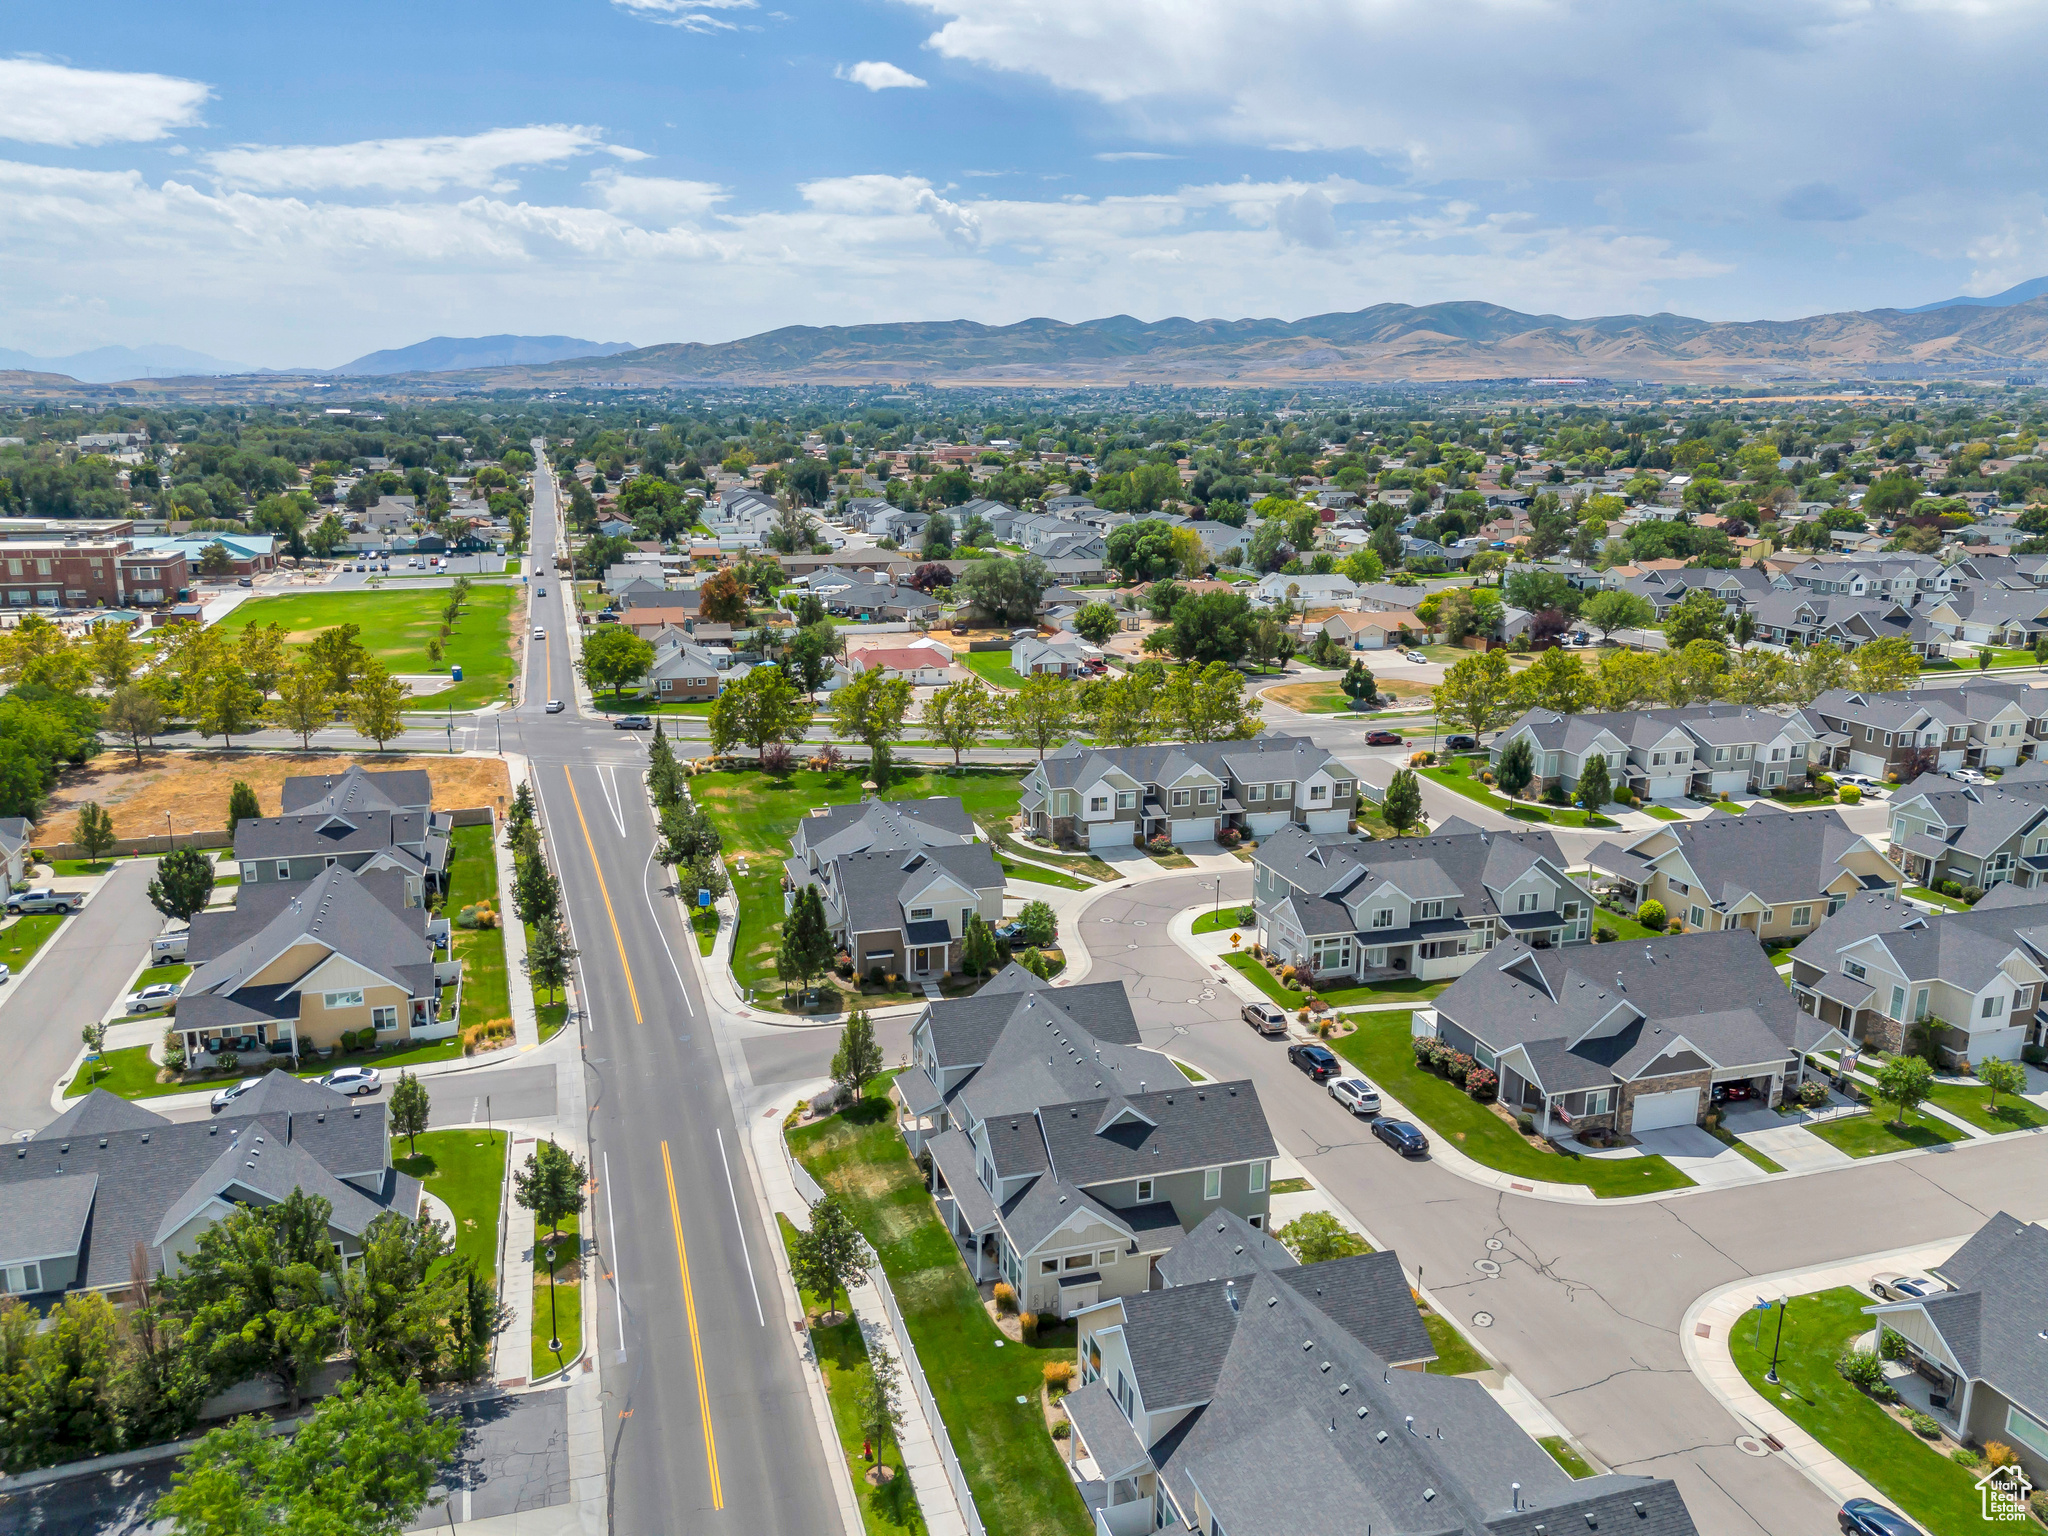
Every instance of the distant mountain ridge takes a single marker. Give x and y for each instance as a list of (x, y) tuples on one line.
[(108, 365), (2019, 293), (442, 354)]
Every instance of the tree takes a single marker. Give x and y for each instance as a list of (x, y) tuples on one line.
[(1217, 626), (1558, 680), (242, 806), (1820, 669), (262, 655), (1120, 710), (1530, 590), (1145, 551), (1096, 622), (1609, 611), (1039, 924), (875, 1401), (228, 703), (858, 1060), (1401, 807), (1478, 692), (551, 1186), (1699, 615), (548, 954), (1207, 704), (59, 1384), (1270, 642), (1905, 1081), (304, 702), (375, 705), (938, 536), (214, 560), (959, 715), (1742, 628), (113, 654), (824, 1257), (1190, 554), (536, 893), (409, 1106), (136, 715), (687, 835), (1629, 680), (722, 599), (1757, 677), (1694, 674), (1517, 766), (978, 953), (2001, 1076), (871, 709), (1359, 685), (1316, 1237), (1005, 590), (1885, 665), (341, 653), (807, 948), (364, 1463), (614, 656), (95, 831), (761, 707), (328, 536), (1043, 712), (1595, 788), (183, 883)]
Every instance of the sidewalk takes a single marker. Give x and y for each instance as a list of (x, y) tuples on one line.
[(1704, 1336), (525, 1024)]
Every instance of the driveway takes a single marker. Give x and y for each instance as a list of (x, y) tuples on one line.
[(1702, 1158), (1785, 1140)]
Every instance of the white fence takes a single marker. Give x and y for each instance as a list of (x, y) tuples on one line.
[(806, 1187), (908, 1352)]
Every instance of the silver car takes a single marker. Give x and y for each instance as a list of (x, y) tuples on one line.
[(353, 1080), (1890, 1285), (1356, 1095)]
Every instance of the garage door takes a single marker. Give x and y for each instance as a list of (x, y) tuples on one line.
[(1109, 834), (1661, 1111), (1196, 829)]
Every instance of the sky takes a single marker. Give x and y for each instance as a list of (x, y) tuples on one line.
[(295, 185)]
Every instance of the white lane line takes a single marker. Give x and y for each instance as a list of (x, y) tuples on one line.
[(759, 1316), (608, 781), (612, 1236), (647, 891)]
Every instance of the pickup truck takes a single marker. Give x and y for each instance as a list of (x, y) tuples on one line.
[(43, 899)]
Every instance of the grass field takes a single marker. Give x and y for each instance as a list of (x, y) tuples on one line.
[(473, 877), (1219, 922), (1462, 775), (1936, 899), (1340, 997), (1974, 1105), (1380, 1048), (1454, 1357), (1034, 875), (396, 626), (1562, 1453), (1011, 1463), (1871, 1134), (1923, 1484), (756, 815), (992, 667), (21, 938), (465, 1170)]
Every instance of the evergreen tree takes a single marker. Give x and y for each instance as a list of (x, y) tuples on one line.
[(824, 1258), (95, 830), (409, 1108), (1402, 806), (183, 883), (241, 806), (978, 951), (807, 947), (548, 955), (1516, 768), (859, 1057), (1595, 789)]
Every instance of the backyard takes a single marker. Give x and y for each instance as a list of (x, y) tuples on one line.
[(992, 667), (987, 1388), (1380, 1048), (757, 814), (396, 626), (1461, 774), (1929, 1488)]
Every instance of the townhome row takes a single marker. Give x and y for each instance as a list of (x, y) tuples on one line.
[(1983, 834), (1104, 797)]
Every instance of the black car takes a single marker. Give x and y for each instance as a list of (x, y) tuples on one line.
[(1401, 1136), (1316, 1060), (1862, 1517), (1461, 743)]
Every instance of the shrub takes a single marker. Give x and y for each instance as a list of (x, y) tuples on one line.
[(1972, 894), (1246, 916), (1813, 1093), (1229, 837), (1849, 794), (1861, 1368), (1458, 1066), (1924, 1425), (1555, 795), (1999, 1454), (1028, 1323), (1965, 1458), (1891, 1346), (875, 975), (1059, 1374), (1482, 1084), (1651, 915), (1061, 1430), (1006, 1298), (1425, 1048), (1603, 935), (776, 758), (1286, 975), (227, 1061)]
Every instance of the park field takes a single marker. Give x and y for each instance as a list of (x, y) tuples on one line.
[(396, 626)]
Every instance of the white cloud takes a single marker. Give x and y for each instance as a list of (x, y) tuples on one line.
[(409, 165), (691, 15), (877, 75), (1135, 154), (42, 102), (655, 199)]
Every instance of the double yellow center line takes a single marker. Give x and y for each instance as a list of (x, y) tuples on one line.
[(624, 964), (675, 1216)]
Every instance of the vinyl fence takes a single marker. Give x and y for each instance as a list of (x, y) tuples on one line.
[(908, 1352)]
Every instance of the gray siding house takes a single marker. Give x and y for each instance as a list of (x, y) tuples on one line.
[(1114, 797)]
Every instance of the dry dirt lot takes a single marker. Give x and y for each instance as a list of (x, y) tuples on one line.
[(193, 786)]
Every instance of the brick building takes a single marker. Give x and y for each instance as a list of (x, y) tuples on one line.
[(89, 573)]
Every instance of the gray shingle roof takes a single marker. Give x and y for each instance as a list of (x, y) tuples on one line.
[(1264, 759), (1993, 1318), (1111, 1441), (1220, 1245), (874, 889), (874, 825), (1779, 856), (100, 1112), (1367, 1296), (45, 1218), (1196, 1125), (1458, 863), (357, 789), (1963, 948)]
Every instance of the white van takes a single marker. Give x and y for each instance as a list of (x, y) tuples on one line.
[(169, 946)]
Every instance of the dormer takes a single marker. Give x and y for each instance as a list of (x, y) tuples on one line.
[(1121, 1111)]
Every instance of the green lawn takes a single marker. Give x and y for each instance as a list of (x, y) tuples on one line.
[(128, 1072), (1381, 1050), (1088, 864), (992, 667), (465, 1169), (1037, 876), (1726, 808), (1624, 927), (1565, 1456), (757, 815), (563, 1310), (473, 877), (1218, 922), (20, 939), (70, 869), (1660, 812), (1923, 1484), (1291, 1187), (1461, 775), (175, 971), (1936, 899), (841, 1357), (1974, 1105), (1454, 1357), (396, 625), (1012, 1464), (704, 922), (1342, 997), (633, 704), (1870, 1134)]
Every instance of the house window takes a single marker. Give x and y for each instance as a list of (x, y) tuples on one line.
[(1098, 802), (1180, 798), (351, 999), (1599, 1101), (384, 1018), (1258, 1177), (1802, 917), (1125, 1398), (1920, 1003), (1212, 1183), (1144, 1191), (1383, 917), (1526, 901), (1333, 954), (24, 1280), (1078, 1260), (1854, 968), (1696, 916), (2027, 1431), (1429, 909), (1255, 792), (1764, 918), (1992, 1005), (1105, 1258), (1283, 791), (284, 869), (1126, 799), (1315, 792), (1656, 759), (1208, 797), (919, 912), (1048, 1266)]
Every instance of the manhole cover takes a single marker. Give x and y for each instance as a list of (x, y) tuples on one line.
[(1493, 1244), (1482, 1319), (1749, 1445), (1486, 1266)]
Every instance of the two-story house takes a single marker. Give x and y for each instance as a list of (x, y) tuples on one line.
[(1662, 755), (1260, 1397), (1943, 829), (685, 668), (294, 965), (1065, 1157), (364, 822), (1776, 874), (1881, 966), (1800, 618), (1635, 1036), (1110, 797), (899, 881), (1423, 907)]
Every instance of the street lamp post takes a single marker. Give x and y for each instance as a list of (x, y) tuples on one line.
[(1772, 1374), (1218, 907), (554, 1331)]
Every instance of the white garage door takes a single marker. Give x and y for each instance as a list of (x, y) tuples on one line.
[(1109, 834), (1661, 1111), (1196, 829)]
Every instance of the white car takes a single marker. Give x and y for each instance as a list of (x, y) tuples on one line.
[(1969, 776), (353, 1080), (151, 998), (232, 1092), (539, 633), (1872, 790), (1356, 1095)]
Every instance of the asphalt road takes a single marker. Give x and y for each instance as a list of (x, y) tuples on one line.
[(708, 1414)]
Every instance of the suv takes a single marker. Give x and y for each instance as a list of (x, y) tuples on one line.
[(1316, 1060), (1461, 743), (43, 899), (1266, 1018), (633, 723), (1382, 739)]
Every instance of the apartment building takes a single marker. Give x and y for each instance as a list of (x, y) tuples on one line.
[(1667, 754), (1982, 835), (1107, 797), (89, 573)]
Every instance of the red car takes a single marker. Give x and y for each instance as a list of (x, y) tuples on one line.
[(1382, 739)]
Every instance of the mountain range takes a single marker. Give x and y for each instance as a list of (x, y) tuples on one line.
[(107, 365), (440, 354)]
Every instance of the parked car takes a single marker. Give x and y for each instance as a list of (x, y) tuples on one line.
[(1872, 790), (1891, 1285), (43, 899), (633, 723), (232, 1092), (153, 997), (556, 706), (1356, 1095), (1011, 932), (6, 973), (1382, 739), (1461, 743), (1967, 776), (169, 946), (1266, 1018), (607, 617), (246, 581), (353, 1080), (1401, 1136), (1316, 1060), (1864, 1517)]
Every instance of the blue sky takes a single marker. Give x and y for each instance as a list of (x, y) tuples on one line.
[(296, 185)]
